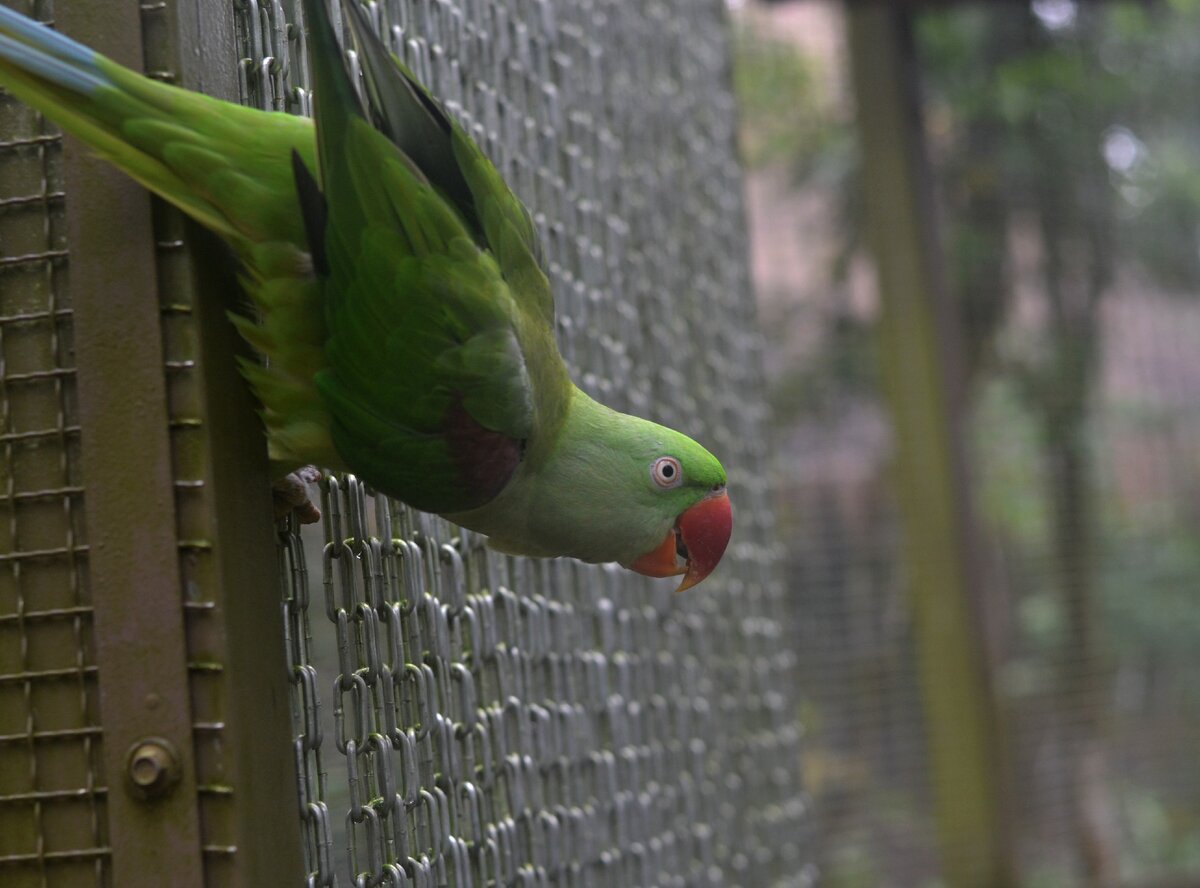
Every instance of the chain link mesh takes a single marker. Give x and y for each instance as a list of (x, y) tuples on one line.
[(464, 718)]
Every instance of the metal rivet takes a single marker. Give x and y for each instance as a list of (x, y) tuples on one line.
[(153, 768)]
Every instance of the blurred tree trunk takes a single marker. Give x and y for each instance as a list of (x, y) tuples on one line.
[(982, 289), (1076, 272), (921, 366), (1040, 160)]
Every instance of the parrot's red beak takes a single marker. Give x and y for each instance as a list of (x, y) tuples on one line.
[(699, 537)]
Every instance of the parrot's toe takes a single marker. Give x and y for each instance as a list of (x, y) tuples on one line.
[(290, 494)]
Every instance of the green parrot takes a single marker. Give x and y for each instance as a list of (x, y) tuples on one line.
[(398, 299)]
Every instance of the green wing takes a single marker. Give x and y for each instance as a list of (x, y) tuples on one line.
[(441, 367), (401, 108), (421, 353)]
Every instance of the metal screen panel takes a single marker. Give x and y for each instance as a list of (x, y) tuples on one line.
[(53, 819), (463, 718)]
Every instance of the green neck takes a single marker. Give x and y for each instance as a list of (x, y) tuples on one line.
[(583, 494)]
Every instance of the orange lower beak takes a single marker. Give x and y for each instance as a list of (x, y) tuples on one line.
[(660, 561), (699, 536)]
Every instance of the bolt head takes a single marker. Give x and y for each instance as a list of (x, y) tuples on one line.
[(152, 768)]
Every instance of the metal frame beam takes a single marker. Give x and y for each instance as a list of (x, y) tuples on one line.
[(129, 502)]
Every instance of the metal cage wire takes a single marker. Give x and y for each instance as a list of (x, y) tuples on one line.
[(460, 718), (52, 802), (468, 719)]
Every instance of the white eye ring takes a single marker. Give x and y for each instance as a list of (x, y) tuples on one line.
[(666, 472)]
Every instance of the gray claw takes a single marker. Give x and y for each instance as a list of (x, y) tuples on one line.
[(290, 494)]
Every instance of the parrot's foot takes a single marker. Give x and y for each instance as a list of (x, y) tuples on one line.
[(291, 495)]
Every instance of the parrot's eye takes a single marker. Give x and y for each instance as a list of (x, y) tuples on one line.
[(666, 472)]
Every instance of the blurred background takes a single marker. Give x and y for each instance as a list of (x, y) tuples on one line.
[(976, 244)]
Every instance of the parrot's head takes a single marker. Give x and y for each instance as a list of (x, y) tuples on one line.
[(686, 483)]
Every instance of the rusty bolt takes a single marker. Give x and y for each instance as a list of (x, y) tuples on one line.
[(153, 768)]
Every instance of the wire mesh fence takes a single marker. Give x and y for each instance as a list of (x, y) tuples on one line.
[(468, 719), (460, 718)]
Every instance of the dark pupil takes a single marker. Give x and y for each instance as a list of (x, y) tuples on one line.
[(668, 470)]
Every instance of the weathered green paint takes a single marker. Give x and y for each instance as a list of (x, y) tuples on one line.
[(918, 364), (129, 500)]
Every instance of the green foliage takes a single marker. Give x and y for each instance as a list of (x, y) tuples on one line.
[(779, 96), (841, 369), (1096, 109), (1006, 443), (1164, 837), (1149, 590), (787, 117), (1079, 144), (1063, 153), (789, 122), (1019, 109)]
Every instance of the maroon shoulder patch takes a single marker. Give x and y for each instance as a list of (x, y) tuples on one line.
[(486, 459)]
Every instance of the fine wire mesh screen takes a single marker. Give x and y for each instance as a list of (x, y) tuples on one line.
[(1062, 144), (465, 718), (53, 817)]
